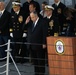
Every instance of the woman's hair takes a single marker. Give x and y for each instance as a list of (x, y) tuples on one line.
[(68, 12)]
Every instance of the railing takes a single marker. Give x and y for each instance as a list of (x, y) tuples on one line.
[(3, 59), (52, 58), (9, 56)]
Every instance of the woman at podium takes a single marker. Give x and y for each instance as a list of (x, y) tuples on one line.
[(69, 25)]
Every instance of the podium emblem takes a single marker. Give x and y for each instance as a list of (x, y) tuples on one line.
[(59, 47)]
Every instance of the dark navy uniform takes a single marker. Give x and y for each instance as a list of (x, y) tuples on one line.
[(58, 12), (53, 26), (16, 28), (16, 24), (53, 23)]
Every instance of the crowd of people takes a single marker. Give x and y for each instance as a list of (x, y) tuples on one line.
[(27, 23)]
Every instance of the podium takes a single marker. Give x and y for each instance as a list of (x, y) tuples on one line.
[(61, 55)]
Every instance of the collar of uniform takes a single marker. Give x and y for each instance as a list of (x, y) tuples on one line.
[(2, 11), (57, 3), (42, 12), (49, 16), (17, 12)]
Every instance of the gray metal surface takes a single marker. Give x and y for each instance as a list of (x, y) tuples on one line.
[(25, 69)]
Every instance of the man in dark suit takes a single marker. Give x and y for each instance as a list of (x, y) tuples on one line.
[(16, 28), (42, 12), (53, 23), (58, 12), (32, 8), (36, 37), (4, 28), (26, 6)]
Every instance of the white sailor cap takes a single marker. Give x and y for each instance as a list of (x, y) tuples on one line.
[(48, 7), (16, 3)]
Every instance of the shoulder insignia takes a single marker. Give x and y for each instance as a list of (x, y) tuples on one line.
[(59, 11), (51, 24), (20, 19)]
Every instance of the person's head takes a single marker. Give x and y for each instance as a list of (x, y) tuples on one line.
[(2, 6), (68, 12), (33, 16), (56, 1), (28, 1), (32, 7), (16, 6), (48, 10), (44, 4)]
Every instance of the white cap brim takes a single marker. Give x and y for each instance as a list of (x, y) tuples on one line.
[(49, 7), (16, 3)]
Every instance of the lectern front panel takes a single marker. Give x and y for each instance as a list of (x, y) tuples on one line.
[(61, 55)]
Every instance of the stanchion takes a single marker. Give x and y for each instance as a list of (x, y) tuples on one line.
[(8, 50)]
